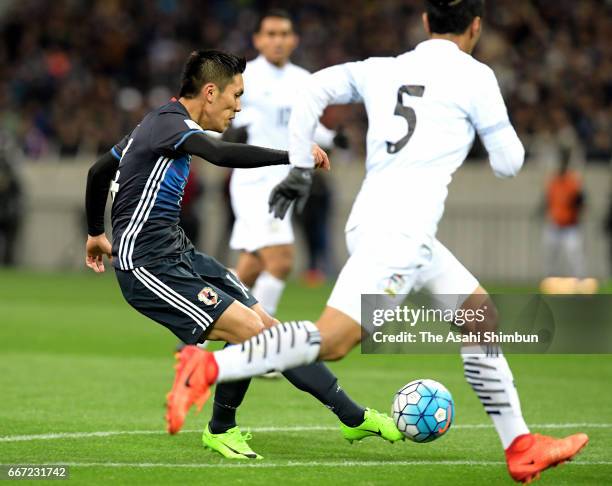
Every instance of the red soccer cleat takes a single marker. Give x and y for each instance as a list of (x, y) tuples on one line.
[(196, 370), (530, 454)]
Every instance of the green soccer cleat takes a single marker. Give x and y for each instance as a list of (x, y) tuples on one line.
[(231, 444), (374, 424)]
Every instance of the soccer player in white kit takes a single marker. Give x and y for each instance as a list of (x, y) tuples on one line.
[(265, 242), (424, 108)]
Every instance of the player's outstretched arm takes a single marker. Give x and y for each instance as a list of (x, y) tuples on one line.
[(98, 183), (235, 155), (334, 85)]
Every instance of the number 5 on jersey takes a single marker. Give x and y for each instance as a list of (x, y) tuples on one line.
[(406, 112)]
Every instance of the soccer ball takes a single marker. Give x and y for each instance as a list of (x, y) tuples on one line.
[(423, 410)]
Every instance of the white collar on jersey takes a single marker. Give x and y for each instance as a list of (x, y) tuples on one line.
[(275, 69), (437, 43)]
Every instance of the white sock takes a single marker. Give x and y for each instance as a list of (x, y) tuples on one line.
[(277, 348), (487, 371), (268, 290)]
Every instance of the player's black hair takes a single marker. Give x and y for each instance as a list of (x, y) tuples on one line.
[(273, 12), (209, 66), (452, 16)]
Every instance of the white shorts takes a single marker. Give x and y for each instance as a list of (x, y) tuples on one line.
[(255, 227), (397, 264)]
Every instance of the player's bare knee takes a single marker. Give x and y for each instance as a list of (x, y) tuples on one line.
[(248, 268), (339, 334), (336, 351), (271, 321), (279, 261), (251, 324), (281, 268), (237, 324), (491, 317), (337, 345), (483, 314), (267, 319), (248, 274)]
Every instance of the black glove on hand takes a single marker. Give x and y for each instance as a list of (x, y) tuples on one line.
[(294, 187)]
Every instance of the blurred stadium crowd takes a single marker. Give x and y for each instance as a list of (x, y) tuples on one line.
[(76, 74)]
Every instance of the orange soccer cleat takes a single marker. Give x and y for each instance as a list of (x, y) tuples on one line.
[(530, 454), (196, 370)]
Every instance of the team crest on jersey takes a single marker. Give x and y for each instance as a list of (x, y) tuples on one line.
[(395, 284), (208, 296)]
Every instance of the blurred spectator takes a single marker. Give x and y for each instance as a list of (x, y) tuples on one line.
[(10, 210), (62, 77), (563, 249)]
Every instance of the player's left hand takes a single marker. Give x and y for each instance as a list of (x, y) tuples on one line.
[(95, 248), (321, 159), (294, 187)]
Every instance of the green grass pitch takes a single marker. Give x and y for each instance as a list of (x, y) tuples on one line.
[(83, 379)]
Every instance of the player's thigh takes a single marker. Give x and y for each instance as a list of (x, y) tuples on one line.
[(248, 267), (452, 287), (213, 272), (480, 304), (448, 281), (278, 259), (174, 297), (236, 324), (266, 319), (381, 264), (339, 334)]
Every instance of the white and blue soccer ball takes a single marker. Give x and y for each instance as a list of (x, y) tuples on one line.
[(423, 410)]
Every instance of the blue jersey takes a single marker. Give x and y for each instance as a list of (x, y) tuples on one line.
[(148, 188)]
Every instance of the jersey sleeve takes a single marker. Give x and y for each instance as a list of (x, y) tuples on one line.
[(169, 132), (489, 111), (324, 137), (490, 119), (337, 85), (117, 149)]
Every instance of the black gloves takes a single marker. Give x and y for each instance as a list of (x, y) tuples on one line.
[(294, 187)]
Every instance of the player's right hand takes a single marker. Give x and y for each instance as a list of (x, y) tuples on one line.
[(294, 187), (95, 248), (320, 157)]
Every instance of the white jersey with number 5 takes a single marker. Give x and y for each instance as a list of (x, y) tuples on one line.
[(424, 108)]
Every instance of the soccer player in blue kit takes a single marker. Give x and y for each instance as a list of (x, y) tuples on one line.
[(159, 271)]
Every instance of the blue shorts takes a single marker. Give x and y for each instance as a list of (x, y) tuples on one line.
[(186, 294)]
